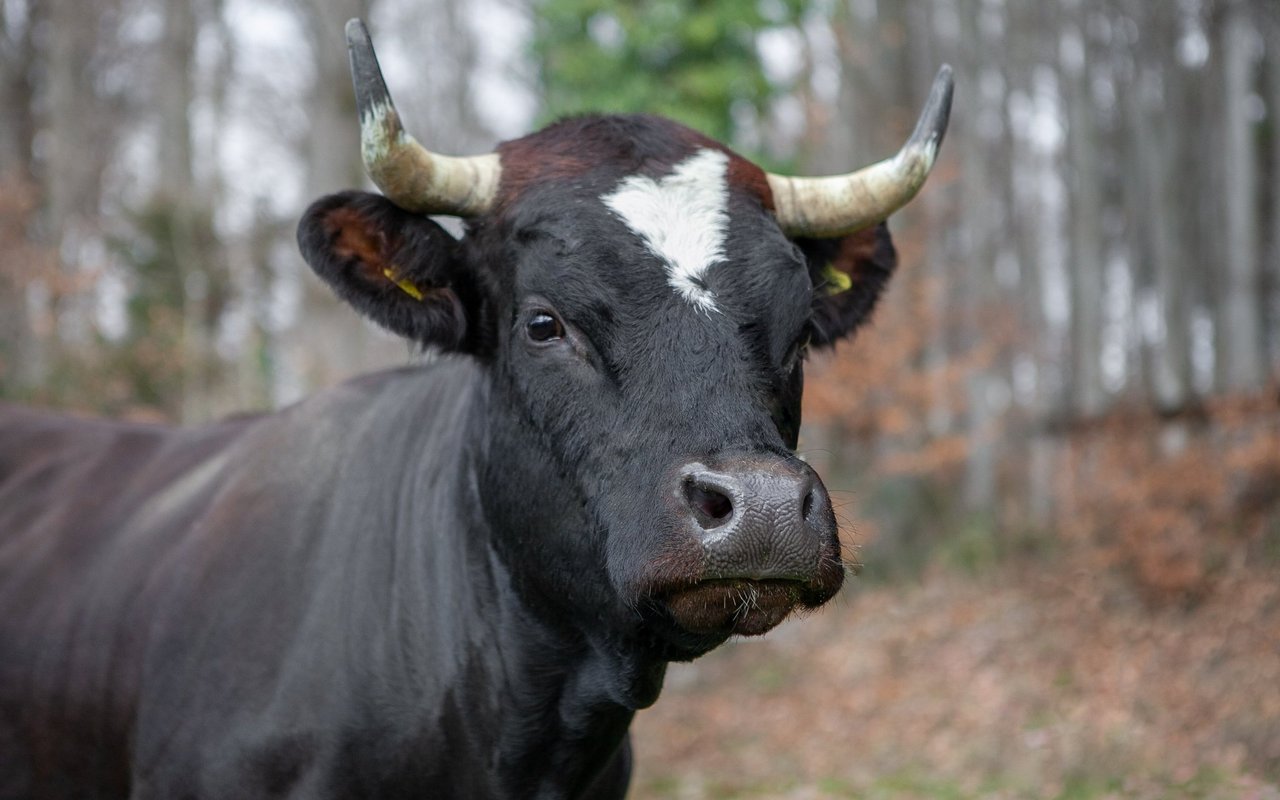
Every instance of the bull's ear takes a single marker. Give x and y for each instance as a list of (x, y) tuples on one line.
[(848, 275), (399, 269)]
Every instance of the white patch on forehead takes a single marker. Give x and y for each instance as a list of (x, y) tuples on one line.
[(682, 217)]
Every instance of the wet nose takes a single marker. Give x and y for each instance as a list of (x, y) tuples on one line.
[(758, 518)]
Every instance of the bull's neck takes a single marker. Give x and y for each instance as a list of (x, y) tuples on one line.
[(564, 691), (571, 682), (567, 714)]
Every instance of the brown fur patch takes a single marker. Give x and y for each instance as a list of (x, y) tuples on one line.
[(577, 147), (750, 179), (358, 240), (528, 161)]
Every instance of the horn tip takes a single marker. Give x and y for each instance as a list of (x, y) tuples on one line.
[(932, 125), (944, 84), (366, 75), (356, 31)]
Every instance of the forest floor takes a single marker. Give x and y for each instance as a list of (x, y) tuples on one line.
[(1029, 680)]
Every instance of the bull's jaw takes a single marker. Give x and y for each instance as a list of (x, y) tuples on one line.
[(743, 607), (688, 617)]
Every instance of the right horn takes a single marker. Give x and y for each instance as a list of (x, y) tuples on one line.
[(821, 208), (410, 175)]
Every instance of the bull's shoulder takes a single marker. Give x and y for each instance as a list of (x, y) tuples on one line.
[(61, 473), (439, 376), (412, 398)]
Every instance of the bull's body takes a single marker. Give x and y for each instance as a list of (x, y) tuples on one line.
[(260, 608)]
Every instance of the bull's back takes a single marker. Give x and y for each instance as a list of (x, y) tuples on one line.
[(82, 533), (72, 489)]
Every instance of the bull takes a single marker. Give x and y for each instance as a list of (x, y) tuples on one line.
[(460, 579)]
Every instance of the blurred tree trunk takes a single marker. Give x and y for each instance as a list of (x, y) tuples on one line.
[(983, 221), (16, 126), (248, 260), (174, 93), (333, 144), (1239, 340), (72, 173), (176, 196), (253, 272), (1156, 155), (17, 131), (942, 215), (1029, 31), (196, 257), (443, 28), (1085, 266), (836, 148), (75, 140), (1271, 268), (875, 70), (1200, 229)]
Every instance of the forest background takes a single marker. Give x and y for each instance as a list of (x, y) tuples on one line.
[(1056, 451)]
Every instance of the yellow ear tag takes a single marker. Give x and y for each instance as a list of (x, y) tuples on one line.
[(837, 281), (405, 285)]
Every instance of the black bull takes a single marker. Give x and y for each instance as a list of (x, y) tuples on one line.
[(458, 580)]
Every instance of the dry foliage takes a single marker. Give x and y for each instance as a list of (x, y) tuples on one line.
[(1034, 682), (1172, 503), (1177, 504)]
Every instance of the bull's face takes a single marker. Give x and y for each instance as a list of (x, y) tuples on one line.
[(643, 308)]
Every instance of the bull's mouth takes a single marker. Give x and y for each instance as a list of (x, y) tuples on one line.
[(737, 606)]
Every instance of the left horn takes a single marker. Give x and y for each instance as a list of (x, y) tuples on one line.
[(410, 175), (839, 204)]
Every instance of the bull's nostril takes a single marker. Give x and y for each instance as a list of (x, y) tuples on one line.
[(712, 508), (807, 506)]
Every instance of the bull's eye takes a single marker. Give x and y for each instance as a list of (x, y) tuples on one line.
[(543, 327)]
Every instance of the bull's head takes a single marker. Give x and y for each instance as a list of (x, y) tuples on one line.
[(641, 300)]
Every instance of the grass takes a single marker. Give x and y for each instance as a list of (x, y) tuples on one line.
[(1205, 784)]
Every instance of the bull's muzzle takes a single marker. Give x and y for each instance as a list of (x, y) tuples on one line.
[(759, 519), (767, 535)]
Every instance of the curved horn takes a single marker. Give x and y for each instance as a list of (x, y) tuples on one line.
[(841, 204), (409, 175)]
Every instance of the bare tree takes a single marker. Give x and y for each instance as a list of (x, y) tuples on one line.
[(16, 92), (1240, 359), (1086, 268), (17, 130), (196, 259), (1271, 33), (1157, 155), (333, 142)]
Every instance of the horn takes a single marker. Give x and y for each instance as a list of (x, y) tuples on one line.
[(840, 204), (410, 175)]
